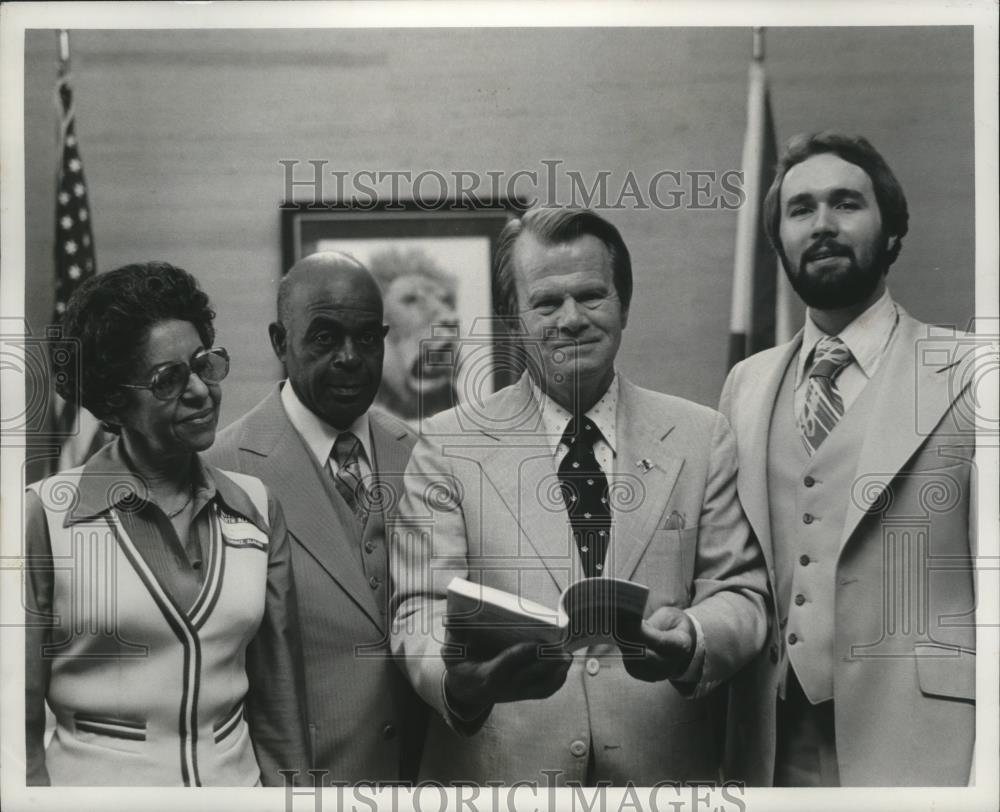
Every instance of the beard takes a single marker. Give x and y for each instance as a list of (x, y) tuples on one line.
[(840, 288)]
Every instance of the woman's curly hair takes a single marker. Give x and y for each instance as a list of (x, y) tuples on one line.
[(109, 316)]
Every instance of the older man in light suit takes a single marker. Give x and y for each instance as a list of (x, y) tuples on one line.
[(332, 462), (487, 499), (856, 472)]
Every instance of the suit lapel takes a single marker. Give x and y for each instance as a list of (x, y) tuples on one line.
[(752, 425), (643, 480), (391, 453), (311, 511), (520, 468), (905, 384), (641, 484)]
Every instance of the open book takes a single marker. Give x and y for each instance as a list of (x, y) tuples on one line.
[(590, 611)]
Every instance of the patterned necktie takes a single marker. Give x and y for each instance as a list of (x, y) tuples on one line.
[(585, 491), (823, 406), (347, 478)]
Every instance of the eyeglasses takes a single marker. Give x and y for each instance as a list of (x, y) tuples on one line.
[(171, 380)]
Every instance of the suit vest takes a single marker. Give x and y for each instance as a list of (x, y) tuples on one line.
[(368, 542), (808, 500), (146, 692)]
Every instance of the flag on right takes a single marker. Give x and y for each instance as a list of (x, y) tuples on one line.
[(762, 309)]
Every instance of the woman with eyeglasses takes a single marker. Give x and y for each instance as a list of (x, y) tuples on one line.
[(161, 623)]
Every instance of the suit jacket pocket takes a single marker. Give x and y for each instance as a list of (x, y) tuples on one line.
[(667, 567), (228, 725), (113, 733), (946, 671)]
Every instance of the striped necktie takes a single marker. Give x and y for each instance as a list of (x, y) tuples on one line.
[(823, 407), (347, 479)]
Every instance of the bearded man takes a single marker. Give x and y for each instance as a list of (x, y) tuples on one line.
[(843, 434)]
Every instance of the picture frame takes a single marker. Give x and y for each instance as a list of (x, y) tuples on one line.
[(435, 266)]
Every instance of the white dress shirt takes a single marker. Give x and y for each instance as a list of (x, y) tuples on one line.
[(867, 337), (603, 414), (319, 436)]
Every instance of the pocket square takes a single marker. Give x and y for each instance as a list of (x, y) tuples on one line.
[(675, 521)]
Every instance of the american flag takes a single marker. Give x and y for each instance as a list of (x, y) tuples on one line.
[(75, 259), (74, 244)]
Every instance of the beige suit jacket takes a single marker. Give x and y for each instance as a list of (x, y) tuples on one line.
[(364, 721), (904, 679), (482, 502)]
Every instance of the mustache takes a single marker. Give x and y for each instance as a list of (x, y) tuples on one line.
[(826, 248)]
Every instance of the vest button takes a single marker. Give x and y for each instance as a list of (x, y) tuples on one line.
[(369, 546), (793, 638), (374, 582), (800, 599), (578, 748), (808, 481), (593, 666), (804, 560), (808, 518), (389, 731)]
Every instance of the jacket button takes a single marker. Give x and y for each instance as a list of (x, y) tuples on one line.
[(578, 748), (793, 638), (374, 582), (808, 518), (804, 560), (593, 666), (389, 732), (774, 654), (800, 599), (808, 481)]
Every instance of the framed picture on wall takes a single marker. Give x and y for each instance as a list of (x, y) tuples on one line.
[(434, 268)]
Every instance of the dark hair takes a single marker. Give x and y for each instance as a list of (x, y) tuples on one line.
[(855, 150), (110, 315), (556, 225)]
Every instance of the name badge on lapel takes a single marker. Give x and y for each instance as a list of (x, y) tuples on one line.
[(238, 532)]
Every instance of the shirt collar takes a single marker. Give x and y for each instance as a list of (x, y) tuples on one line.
[(318, 435), (108, 481), (555, 418), (866, 337)]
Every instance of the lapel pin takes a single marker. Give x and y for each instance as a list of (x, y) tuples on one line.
[(645, 465)]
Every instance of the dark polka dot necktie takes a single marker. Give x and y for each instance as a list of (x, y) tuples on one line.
[(585, 491)]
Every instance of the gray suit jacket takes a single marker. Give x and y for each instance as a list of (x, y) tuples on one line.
[(904, 680), (482, 502), (364, 721)]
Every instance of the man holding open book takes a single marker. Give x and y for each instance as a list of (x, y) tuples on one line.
[(572, 473)]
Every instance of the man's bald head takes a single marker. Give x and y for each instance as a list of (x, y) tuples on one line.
[(321, 265), (330, 335)]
